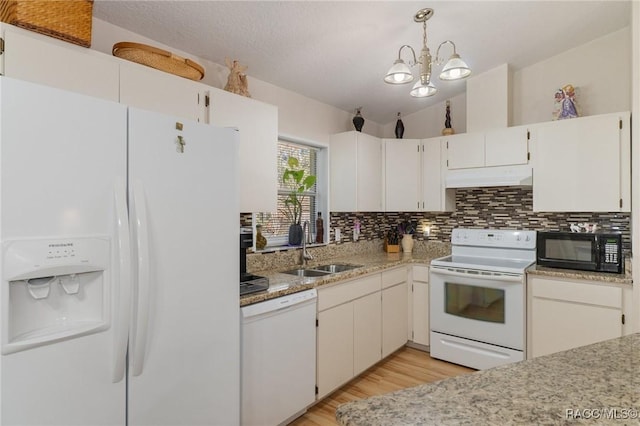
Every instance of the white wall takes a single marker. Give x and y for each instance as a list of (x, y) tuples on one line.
[(298, 116), (489, 99), (429, 122), (600, 69), (587, 67)]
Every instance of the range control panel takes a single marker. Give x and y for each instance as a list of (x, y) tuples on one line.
[(506, 238)]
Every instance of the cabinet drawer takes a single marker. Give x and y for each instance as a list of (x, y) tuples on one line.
[(579, 292), (393, 277), (350, 290), (421, 273)]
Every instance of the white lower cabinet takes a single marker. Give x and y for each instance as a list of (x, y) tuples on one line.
[(394, 310), (335, 347), (349, 321), (565, 314), (367, 335), (420, 305), (360, 321)]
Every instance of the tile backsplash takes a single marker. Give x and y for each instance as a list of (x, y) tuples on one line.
[(496, 207)]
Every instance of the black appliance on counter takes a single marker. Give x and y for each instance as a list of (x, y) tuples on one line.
[(598, 252), (249, 283)]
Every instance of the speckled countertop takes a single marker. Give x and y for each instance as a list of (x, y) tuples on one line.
[(281, 284), (371, 257), (602, 380), (625, 278)]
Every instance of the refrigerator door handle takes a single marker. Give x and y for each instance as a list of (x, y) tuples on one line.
[(143, 288), (123, 287)]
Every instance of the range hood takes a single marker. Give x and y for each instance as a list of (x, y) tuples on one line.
[(489, 176)]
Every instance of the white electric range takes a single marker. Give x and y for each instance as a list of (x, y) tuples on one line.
[(477, 299)]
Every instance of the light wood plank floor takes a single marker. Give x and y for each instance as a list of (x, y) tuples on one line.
[(405, 368)]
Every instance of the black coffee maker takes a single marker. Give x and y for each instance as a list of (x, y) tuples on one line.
[(249, 283)]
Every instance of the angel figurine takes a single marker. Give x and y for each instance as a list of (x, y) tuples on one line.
[(565, 103)]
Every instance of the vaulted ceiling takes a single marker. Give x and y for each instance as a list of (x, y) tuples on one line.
[(337, 52)]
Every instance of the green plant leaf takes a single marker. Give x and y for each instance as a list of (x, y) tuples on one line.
[(292, 162), (309, 181)]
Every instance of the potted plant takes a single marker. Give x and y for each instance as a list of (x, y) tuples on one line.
[(295, 180)]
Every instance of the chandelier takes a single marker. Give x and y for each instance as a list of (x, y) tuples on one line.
[(400, 73)]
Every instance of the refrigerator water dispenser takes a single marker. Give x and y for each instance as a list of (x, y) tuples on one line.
[(53, 289)]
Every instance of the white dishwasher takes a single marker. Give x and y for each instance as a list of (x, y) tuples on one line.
[(278, 358)]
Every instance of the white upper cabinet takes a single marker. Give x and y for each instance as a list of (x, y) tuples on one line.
[(465, 150), (434, 195), (50, 62), (154, 90), (355, 172), (414, 176), (582, 164), (29, 56), (257, 123), (402, 175), (497, 147), (506, 146)]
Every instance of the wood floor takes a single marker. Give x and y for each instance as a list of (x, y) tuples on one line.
[(405, 368)]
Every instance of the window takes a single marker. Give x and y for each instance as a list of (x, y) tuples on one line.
[(275, 226)]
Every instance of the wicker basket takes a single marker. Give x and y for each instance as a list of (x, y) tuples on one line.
[(68, 20), (159, 59)]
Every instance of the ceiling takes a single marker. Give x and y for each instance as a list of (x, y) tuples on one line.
[(337, 52)]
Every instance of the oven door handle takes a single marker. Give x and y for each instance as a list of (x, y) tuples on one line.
[(496, 277)]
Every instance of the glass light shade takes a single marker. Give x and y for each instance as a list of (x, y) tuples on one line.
[(421, 90), (399, 73), (455, 69)]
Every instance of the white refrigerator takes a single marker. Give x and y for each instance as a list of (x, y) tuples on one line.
[(119, 295)]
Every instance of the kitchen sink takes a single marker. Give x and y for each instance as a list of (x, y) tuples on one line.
[(336, 267), (306, 272), (322, 270)]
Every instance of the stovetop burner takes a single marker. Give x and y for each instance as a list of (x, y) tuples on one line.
[(509, 251), (252, 284), (484, 263)]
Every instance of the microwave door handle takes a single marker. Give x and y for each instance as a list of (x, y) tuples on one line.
[(503, 278)]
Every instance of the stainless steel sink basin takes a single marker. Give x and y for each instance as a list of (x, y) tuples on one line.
[(334, 268), (322, 270), (306, 272)]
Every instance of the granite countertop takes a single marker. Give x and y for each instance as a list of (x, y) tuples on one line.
[(282, 284), (591, 382), (625, 278)]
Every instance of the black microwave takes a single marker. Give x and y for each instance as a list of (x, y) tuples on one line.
[(597, 252)]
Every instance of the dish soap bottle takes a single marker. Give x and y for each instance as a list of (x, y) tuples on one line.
[(319, 229)]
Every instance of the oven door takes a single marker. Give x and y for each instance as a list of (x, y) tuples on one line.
[(482, 306)]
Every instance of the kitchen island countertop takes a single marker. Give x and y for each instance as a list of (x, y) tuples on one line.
[(595, 384)]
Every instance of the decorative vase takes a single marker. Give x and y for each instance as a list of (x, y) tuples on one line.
[(399, 128), (358, 120), (295, 234), (407, 243), (448, 130)]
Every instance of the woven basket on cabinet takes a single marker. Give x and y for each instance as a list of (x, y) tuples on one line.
[(68, 20)]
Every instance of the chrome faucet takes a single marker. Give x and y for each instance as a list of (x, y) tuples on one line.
[(305, 255)]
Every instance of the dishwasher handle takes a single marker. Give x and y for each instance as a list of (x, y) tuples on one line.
[(279, 303)]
